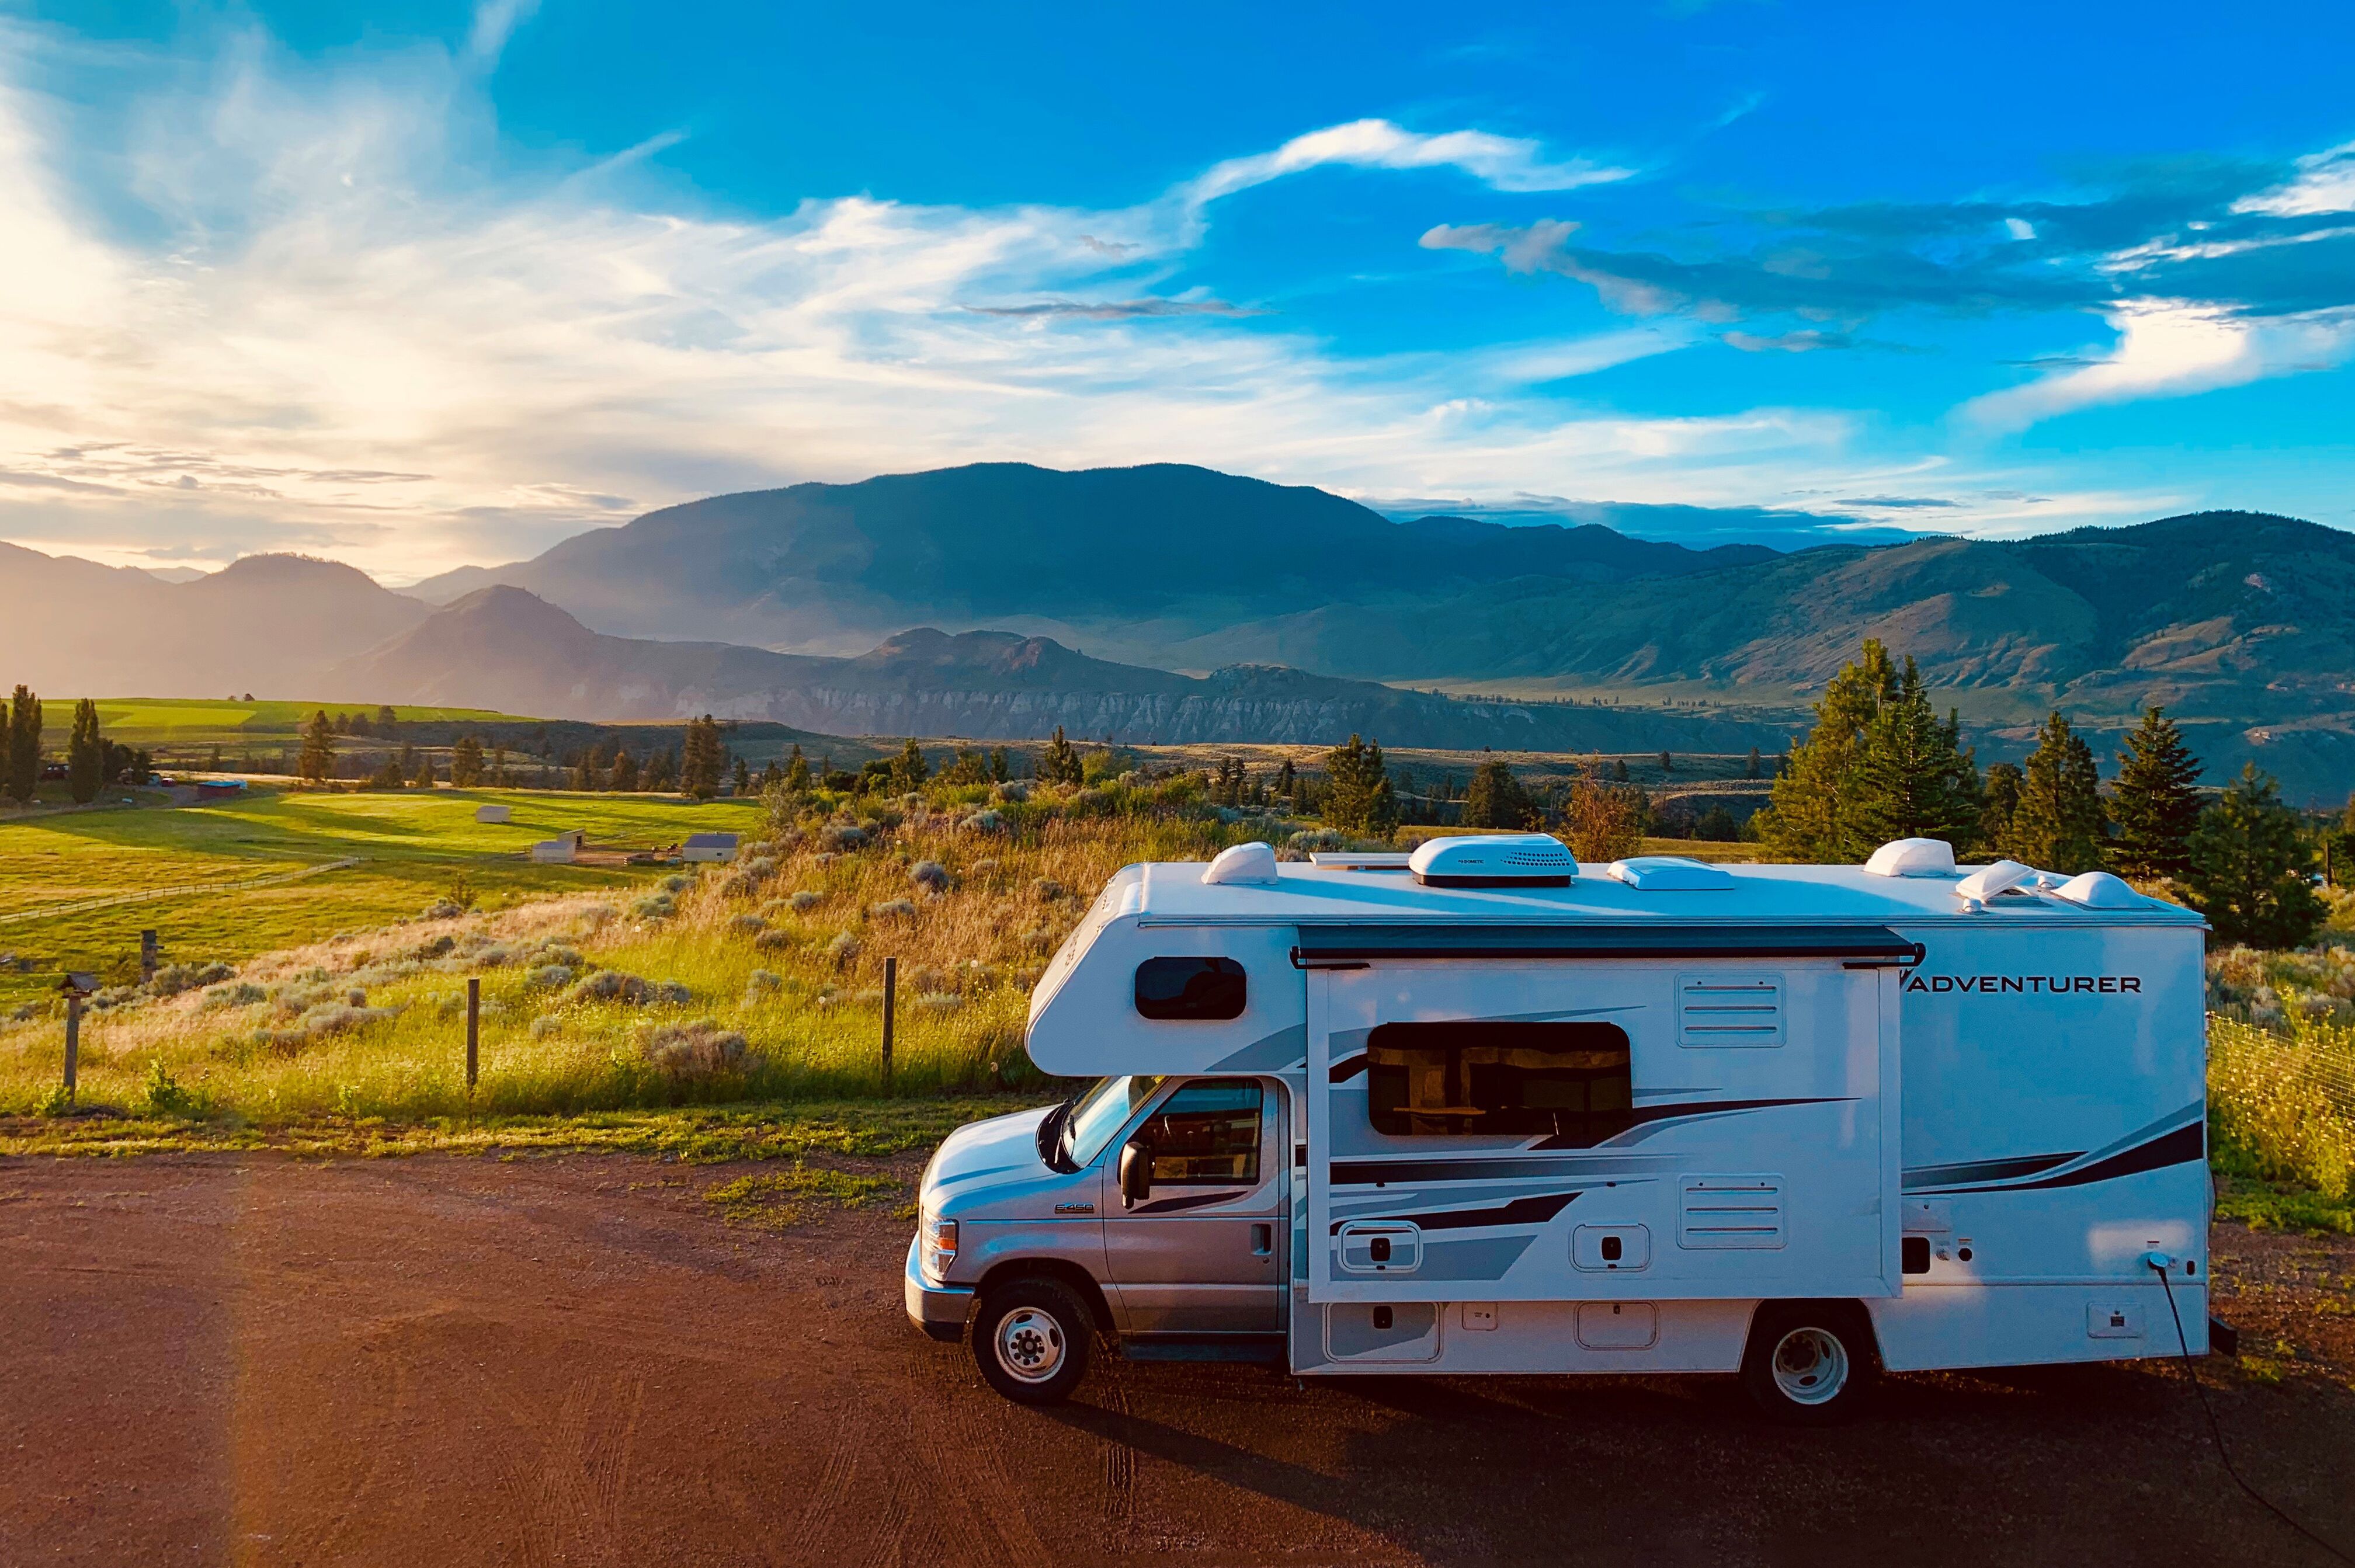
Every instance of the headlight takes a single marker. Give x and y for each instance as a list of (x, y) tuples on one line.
[(940, 1245)]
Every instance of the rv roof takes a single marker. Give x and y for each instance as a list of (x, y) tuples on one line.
[(1760, 895)]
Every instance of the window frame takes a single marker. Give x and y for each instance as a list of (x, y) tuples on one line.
[(1160, 1108), (1227, 970)]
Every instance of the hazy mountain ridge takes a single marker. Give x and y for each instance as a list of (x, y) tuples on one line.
[(511, 650)]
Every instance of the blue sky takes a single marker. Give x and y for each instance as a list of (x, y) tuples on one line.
[(414, 285)]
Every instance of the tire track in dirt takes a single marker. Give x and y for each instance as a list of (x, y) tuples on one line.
[(1111, 1376)]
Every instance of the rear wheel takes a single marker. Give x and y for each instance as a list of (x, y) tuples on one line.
[(1031, 1339), (1809, 1363)]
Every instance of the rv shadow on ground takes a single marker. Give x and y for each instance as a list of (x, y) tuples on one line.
[(2078, 1463)]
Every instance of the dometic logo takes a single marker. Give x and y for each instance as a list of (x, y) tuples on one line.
[(2044, 985)]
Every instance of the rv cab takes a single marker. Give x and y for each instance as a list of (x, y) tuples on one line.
[(1482, 1110)]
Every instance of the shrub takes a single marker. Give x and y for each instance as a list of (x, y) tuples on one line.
[(166, 1097), (747, 925), (930, 875), (893, 909), (985, 822), (841, 835), (1047, 889), (699, 1049), (843, 949), (805, 901)]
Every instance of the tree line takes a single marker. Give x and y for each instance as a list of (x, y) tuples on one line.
[(91, 761)]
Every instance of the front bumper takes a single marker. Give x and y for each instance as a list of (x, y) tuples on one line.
[(940, 1310)]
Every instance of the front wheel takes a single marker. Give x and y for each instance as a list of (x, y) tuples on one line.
[(1809, 1364), (1031, 1339)]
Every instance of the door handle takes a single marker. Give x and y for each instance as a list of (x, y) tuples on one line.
[(1262, 1241)]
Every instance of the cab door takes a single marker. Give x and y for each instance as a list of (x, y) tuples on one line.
[(1203, 1252)]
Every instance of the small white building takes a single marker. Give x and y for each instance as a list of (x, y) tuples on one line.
[(561, 850), (710, 847), (490, 814)]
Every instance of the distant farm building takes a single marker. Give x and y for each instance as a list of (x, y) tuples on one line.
[(710, 847), (561, 850), (490, 814)]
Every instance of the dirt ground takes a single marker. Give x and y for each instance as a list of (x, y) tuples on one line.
[(580, 1359)]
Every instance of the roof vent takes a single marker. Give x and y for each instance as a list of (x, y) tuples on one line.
[(1913, 858), (1495, 860), (1988, 880), (2099, 890), (1669, 874), (1245, 863)]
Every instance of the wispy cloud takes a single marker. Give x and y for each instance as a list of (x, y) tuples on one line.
[(1508, 163), (495, 23), (1113, 310)]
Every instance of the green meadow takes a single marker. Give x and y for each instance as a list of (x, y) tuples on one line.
[(410, 846), (181, 724)]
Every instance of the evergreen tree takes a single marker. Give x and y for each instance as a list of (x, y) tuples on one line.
[(85, 755), (1668, 764), (499, 763), (1603, 822), (1811, 815), (1756, 768), (1287, 782), (624, 773), (661, 772), (999, 769), (2153, 802), (909, 769), (386, 719), (742, 776), (1359, 797), (1061, 763), (2057, 825), (317, 762), (1496, 798), (423, 777), (798, 773), (467, 762), (1914, 777), (701, 760), (1998, 803), (2248, 864), (24, 745)]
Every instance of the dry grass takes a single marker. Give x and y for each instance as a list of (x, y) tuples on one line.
[(761, 982)]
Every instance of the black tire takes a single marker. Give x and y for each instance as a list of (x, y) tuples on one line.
[(1810, 1363), (1031, 1339)]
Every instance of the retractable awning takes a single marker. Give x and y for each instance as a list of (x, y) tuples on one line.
[(1323, 946)]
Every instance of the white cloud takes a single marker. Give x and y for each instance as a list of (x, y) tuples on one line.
[(495, 23), (2170, 348), (1508, 163), (2325, 183)]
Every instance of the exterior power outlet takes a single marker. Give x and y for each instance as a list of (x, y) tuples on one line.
[(2109, 1322)]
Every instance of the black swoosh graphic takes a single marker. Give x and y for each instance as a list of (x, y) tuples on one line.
[(1534, 1210), (2185, 1144), (1192, 1201), (1925, 1177), (1345, 1071)]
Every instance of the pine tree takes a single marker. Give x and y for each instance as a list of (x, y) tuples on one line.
[(742, 777), (1668, 764), (386, 720), (1811, 815), (1913, 778), (24, 745), (798, 773), (1603, 822), (317, 762), (1496, 798), (624, 773), (423, 777), (661, 772), (2248, 864), (1358, 794), (1756, 766), (1998, 803), (2153, 802), (999, 769), (1287, 782), (1061, 763), (909, 769), (701, 760), (499, 763), (467, 762), (2057, 825), (85, 755)]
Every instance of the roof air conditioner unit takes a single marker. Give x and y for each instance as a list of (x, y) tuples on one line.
[(1913, 858), (1495, 860)]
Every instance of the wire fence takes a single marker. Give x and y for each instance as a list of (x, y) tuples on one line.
[(2287, 1098), (111, 901)]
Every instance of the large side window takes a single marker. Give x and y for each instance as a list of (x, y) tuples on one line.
[(1206, 1133), (1569, 1080)]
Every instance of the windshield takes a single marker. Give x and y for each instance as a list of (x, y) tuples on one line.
[(1100, 1112)]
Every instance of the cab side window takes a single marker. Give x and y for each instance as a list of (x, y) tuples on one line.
[(1206, 1134)]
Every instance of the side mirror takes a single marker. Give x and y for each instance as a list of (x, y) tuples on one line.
[(1136, 1174)]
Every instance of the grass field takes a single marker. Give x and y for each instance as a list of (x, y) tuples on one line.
[(412, 845), (182, 723)]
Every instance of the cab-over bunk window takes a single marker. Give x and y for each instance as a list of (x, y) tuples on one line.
[(1567, 1081)]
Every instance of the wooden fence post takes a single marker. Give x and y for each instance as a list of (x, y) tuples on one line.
[(146, 956), (73, 1040), (890, 1002), (473, 1037)]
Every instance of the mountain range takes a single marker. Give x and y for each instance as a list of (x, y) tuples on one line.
[(1175, 603)]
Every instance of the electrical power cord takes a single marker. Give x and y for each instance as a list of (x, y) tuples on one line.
[(2158, 1263)]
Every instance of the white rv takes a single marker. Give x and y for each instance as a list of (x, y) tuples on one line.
[(1486, 1111)]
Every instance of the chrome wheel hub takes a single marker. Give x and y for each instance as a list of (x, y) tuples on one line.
[(1029, 1345), (1810, 1366)]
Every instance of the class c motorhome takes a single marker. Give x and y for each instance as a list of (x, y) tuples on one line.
[(1482, 1110)]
